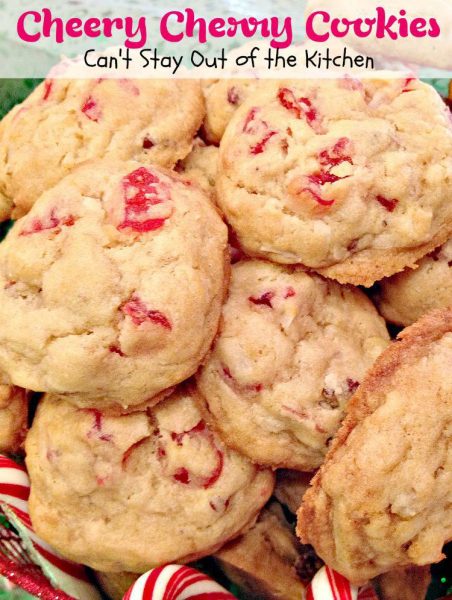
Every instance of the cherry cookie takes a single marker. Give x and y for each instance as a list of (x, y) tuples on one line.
[(64, 123), (140, 490), (292, 350), (406, 297), (111, 287), (383, 497), (333, 175), (265, 562)]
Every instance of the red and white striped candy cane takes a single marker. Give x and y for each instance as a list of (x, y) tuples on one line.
[(330, 585), (175, 582), (65, 575)]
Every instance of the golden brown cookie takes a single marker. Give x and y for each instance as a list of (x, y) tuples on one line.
[(64, 123), (406, 297), (333, 175), (290, 487), (111, 287), (262, 562), (383, 498), (138, 491), (409, 583), (291, 351)]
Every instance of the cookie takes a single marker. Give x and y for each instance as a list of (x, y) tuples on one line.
[(66, 122), (382, 499), (201, 165), (406, 297), (111, 287), (140, 490), (262, 562), (13, 417), (292, 349), (290, 488), (410, 583), (223, 97), (115, 585), (331, 174)]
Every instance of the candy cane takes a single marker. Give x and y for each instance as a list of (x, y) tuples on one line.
[(330, 585), (175, 582), (63, 574)]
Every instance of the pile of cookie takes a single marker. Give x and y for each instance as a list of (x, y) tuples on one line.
[(197, 283)]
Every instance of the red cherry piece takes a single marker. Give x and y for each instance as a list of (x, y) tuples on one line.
[(314, 184), (254, 126), (406, 85), (148, 143), (289, 293), (300, 107), (50, 222), (336, 155), (219, 504), (178, 437), (182, 475), (143, 190), (264, 299), (233, 95), (91, 109), (48, 85), (249, 124), (352, 385), (96, 430), (260, 146), (389, 204), (231, 381), (116, 350), (137, 310)]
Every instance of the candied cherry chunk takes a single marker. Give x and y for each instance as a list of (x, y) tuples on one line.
[(182, 474), (48, 223), (91, 109), (328, 159), (48, 85), (388, 203), (264, 300), (300, 107), (96, 429), (143, 192), (260, 146), (148, 143), (138, 311), (255, 126), (331, 157), (233, 96)]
